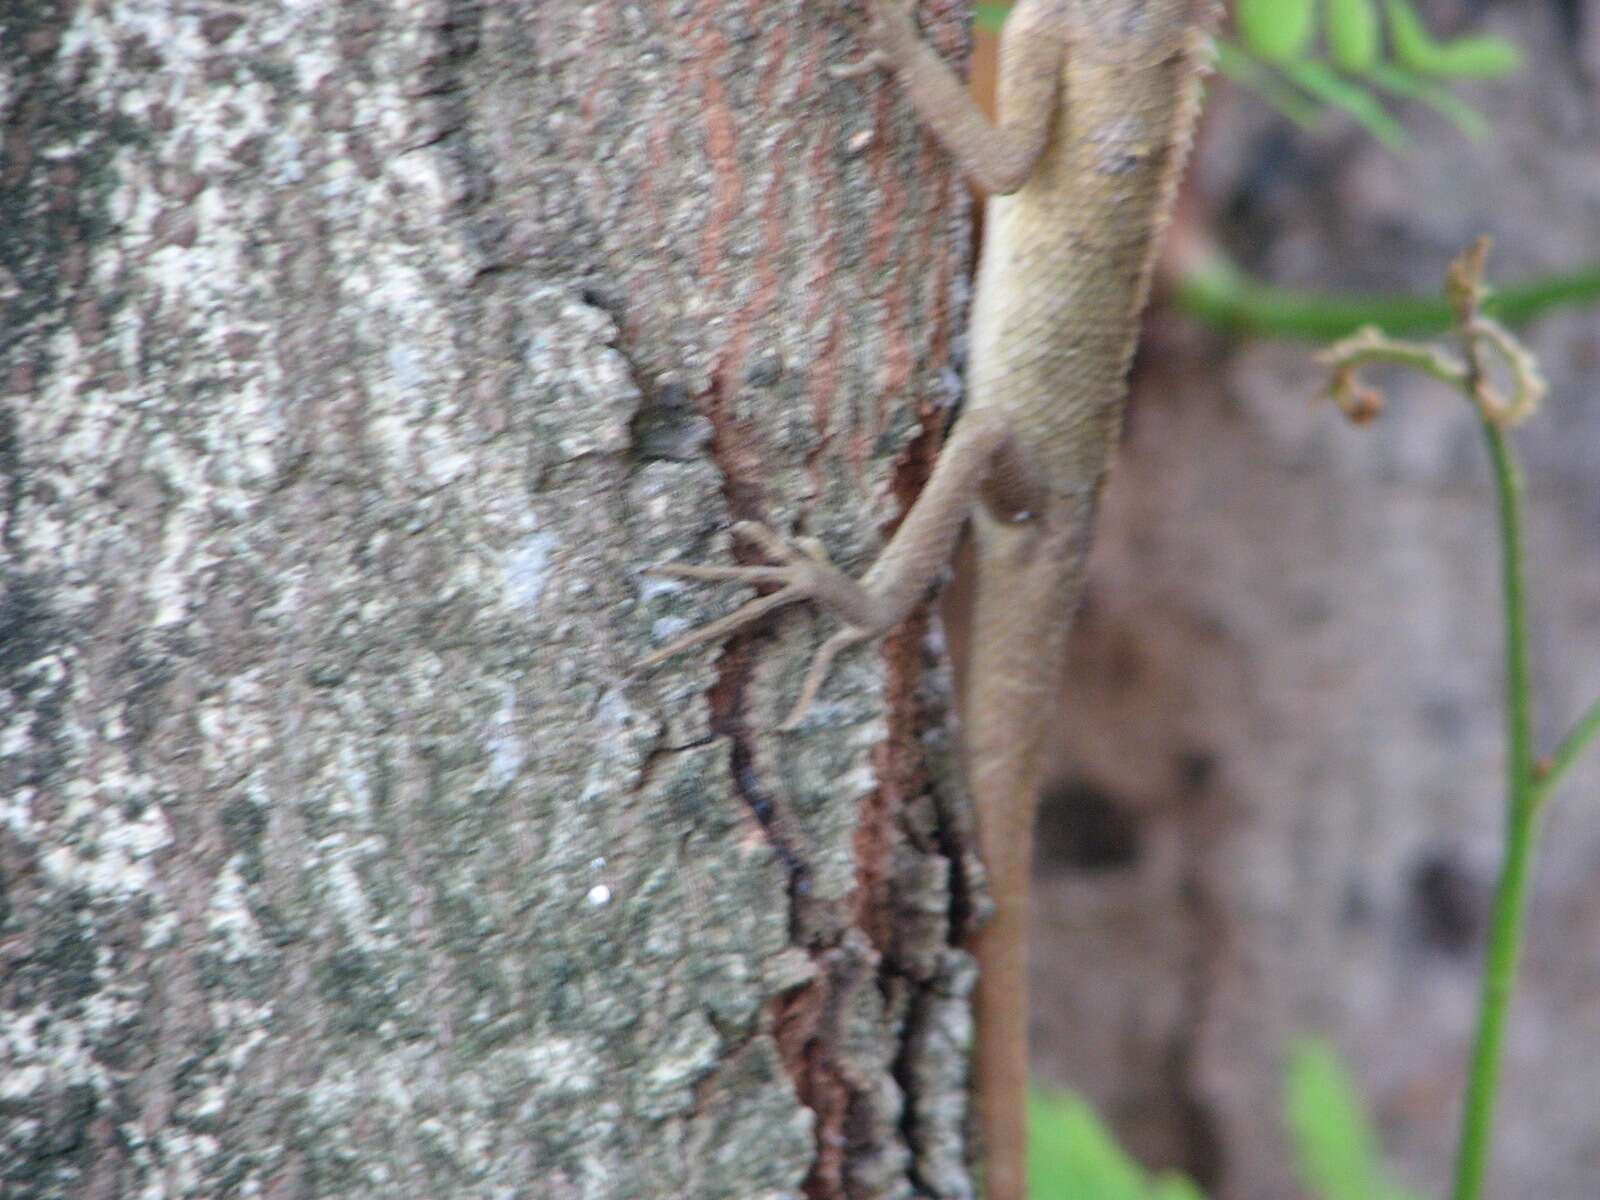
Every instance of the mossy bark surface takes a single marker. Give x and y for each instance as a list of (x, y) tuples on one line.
[(355, 358)]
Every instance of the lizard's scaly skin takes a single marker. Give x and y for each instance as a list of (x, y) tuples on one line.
[(1067, 258), (1064, 275)]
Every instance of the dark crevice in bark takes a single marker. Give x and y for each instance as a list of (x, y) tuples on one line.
[(444, 85), (10, 485), (766, 811), (803, 1020)]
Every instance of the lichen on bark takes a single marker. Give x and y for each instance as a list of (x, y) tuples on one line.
[(356, 359)]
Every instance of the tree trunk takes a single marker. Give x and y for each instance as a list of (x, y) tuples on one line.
[(356, 358)]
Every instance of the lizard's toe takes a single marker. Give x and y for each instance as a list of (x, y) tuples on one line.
[(774, 545), (869, 63), (720, 629), (817, 675), (721, 574)]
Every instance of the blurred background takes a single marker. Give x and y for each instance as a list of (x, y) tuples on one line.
[(1279, 798), (356, 356)]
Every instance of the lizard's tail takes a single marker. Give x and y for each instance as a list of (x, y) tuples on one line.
[(1001, 1061), (1028, 585)]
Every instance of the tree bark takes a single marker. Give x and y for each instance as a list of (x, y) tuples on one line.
[(356, 357)]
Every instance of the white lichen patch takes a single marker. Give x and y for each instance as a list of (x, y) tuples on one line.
[(173, 1161), (101, 849), (345, 894), (506, 754), (353, 798), (229, 920), (789, 968), (590, 397), (565, 1068), (233, 725), (526, 569), (684, 1054), (161, 931), (16, 810), (45, 1054), (21, 1082), (248, 1026), (169, 579)]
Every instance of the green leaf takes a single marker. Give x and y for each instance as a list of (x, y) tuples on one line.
[(1400, 82), (1335, 1146), (1354, 34), (1413, 45), (992, 16), (1276, 30), (1334, 1143), (1234, 62), (1320, 80), (1176, 1187), (1073, 1156), (1480, 57)]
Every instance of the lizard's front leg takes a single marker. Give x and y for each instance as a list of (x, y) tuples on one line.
[(981, 462), (999, 157)]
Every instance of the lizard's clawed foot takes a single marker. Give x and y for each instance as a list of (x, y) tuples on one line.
[(891, 24), (801, 571)]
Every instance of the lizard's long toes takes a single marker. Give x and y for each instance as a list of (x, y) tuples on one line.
[(771, 543), (719, 574), (813, 549), (817, 674), (717, 630)]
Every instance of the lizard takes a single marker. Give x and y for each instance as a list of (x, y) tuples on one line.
[(1097, 105)]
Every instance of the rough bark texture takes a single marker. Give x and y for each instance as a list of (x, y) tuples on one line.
[(355, 357), (1280, 807)]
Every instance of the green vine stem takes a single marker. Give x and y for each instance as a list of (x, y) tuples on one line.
[(1213, 290), (1548, 775), (1522, 815), (1529, 781)]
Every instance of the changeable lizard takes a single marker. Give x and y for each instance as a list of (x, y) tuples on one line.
[(1097, 105)]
